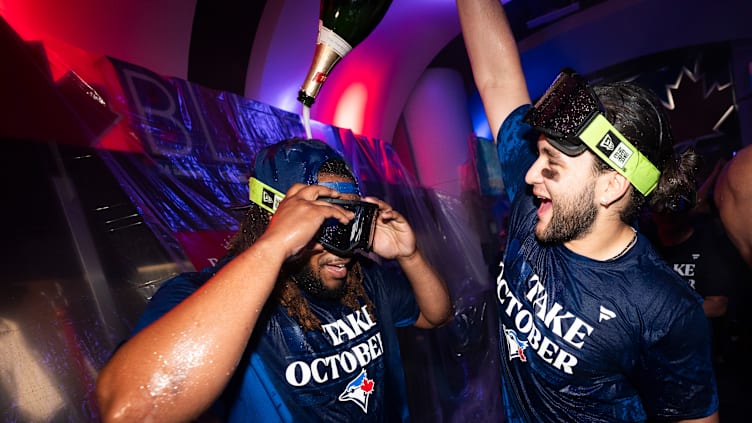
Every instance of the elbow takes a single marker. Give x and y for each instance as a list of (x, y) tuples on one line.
[(435, 319), (109, 410), (443, 314), (424, 323), (443, 318), (116, 406), (117, 410)]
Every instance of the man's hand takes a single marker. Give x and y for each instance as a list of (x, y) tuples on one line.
[(394, 237), (301, 214)]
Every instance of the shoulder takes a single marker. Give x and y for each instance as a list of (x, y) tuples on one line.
[(513, 129), (184, 282), (658, 288), (648, 263), (516, 149), (179, 287), (190, 281)]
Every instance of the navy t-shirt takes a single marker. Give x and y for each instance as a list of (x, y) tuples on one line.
[(584, 340), (350, 370)]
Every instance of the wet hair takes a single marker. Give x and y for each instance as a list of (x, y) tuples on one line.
[(337, 168), (286, 291), (639, 115)]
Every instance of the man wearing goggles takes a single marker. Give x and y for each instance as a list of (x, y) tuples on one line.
[(294, 324), (595, 326), (341, 239)]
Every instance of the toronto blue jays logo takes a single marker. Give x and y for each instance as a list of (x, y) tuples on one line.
[(516, 347), (358, 390)]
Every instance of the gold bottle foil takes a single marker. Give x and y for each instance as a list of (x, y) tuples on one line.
[(324, 59)]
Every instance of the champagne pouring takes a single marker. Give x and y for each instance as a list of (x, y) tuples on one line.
[(343, 24)]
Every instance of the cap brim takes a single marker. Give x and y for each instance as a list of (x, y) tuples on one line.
[(239, 207), (566, 148)]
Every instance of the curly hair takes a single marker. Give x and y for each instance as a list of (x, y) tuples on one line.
[(286, 291), (289, 295), (639, 115)]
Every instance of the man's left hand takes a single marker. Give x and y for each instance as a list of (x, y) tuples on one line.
[(394, 237)]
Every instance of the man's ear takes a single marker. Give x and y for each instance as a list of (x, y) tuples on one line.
[(613, 186)]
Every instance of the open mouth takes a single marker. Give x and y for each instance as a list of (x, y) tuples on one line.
[(338, 269), (543, 204)]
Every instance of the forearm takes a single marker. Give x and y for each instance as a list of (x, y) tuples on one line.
[(715, 306), (429, 288), (176, 367), (494, 58)]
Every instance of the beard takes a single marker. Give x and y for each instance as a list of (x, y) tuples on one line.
[(307, 280), (571, 218)]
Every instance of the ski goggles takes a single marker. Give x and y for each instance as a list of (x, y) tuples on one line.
[(571, 118), (341, 239), (357, 235)]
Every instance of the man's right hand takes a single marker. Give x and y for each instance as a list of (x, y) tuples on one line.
[(300, 215)]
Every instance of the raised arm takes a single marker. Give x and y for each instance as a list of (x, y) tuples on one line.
[(395, 239), (176, 367), (494, 58)]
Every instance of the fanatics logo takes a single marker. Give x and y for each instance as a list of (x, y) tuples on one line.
[(358, 391), (606, 314)]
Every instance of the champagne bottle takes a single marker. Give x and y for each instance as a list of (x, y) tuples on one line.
[(343, 24)]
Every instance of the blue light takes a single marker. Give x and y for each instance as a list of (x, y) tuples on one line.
[(478, 117)]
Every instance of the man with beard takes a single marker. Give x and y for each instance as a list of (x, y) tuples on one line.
[(293, 324), (595, 326)]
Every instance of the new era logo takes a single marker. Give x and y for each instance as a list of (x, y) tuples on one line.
[(607, 144), (616, 151), (269, 199)]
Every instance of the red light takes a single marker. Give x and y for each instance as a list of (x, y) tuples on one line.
[(351, 107)]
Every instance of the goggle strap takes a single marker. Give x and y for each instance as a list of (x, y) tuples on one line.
[(610, 145), (265, 196), (269, 198)]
